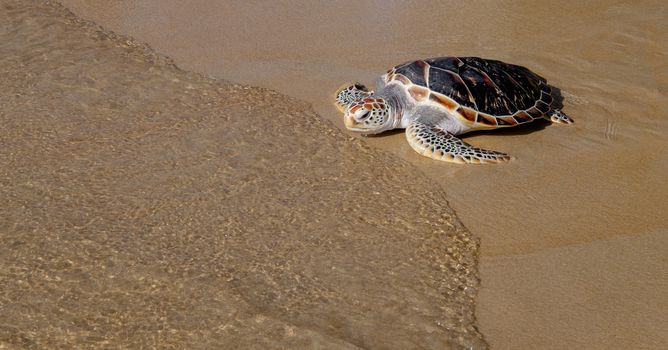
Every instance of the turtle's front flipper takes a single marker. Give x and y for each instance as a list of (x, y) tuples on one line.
[(434, 142), (557, 116)]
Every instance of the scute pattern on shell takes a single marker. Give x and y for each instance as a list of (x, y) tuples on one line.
[(486, 92)]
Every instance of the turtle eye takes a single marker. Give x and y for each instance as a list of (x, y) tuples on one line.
[(365, 115)]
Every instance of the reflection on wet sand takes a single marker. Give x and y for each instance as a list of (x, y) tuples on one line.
[(144, 206)]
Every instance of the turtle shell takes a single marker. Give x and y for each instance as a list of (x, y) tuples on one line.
[(483, 93)]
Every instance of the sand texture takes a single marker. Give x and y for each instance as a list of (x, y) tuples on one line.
[(567, 228), (142, 206)]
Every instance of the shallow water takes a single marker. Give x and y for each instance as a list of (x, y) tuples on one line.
[(608, 58), (599, 179), (145, 206)]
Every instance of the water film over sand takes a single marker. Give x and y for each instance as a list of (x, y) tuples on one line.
[(145, 206), (574, 232)]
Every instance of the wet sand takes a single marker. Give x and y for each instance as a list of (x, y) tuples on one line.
[(554, 271), (143, 206), (567, 227), (604, 177)]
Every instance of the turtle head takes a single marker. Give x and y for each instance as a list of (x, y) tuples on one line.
[(363, 111), (368, 115), (350, 93)]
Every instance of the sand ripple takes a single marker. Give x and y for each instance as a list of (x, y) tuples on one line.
[(145, 206)]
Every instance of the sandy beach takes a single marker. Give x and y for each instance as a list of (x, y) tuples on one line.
[(573, 232), (143, 206)]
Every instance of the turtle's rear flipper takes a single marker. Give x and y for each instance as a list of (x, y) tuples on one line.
[(557, 116), (434, 142)]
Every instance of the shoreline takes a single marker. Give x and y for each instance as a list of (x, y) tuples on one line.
[(570, 188), (522, 302), (148, 205)]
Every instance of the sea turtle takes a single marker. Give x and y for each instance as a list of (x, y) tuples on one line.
[(437, 99)]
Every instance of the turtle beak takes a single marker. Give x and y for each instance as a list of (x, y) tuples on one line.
[(352, 125), (350, 122)]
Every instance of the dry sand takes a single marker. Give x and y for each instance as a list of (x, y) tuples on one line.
[(142, 206), (574, 231)]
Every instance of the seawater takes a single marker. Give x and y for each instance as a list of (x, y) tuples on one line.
[(146, 206)]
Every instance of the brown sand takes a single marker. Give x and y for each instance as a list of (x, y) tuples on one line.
[(562, 227), (142, 206)]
